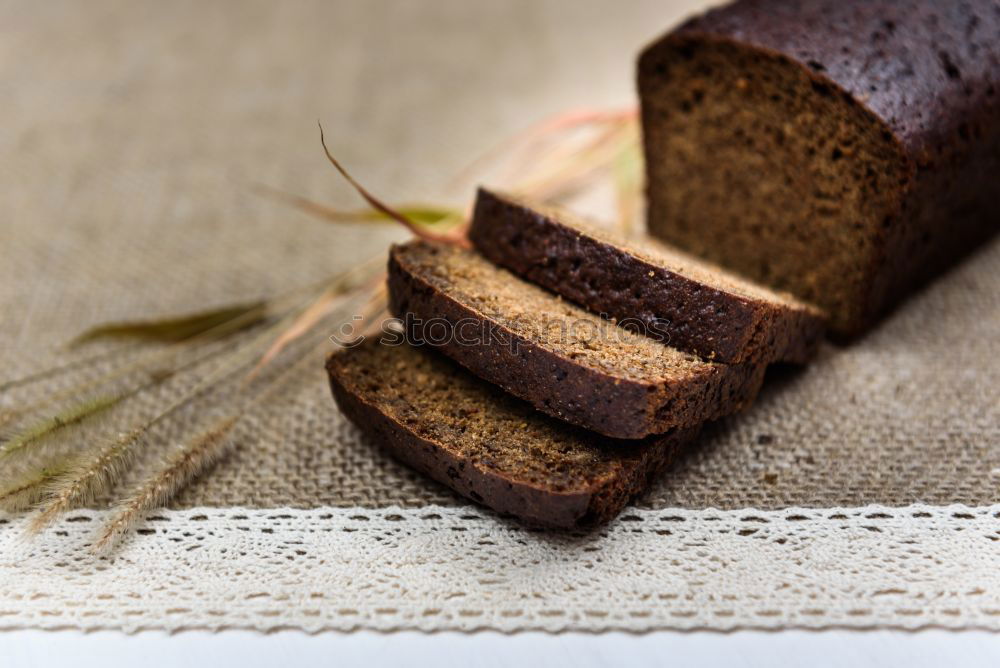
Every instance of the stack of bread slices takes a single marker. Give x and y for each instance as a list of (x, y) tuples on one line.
[(553, 370)]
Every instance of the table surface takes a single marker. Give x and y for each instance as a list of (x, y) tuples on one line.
[(854, 649)]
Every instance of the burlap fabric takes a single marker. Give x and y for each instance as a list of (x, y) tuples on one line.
[(131, 136)]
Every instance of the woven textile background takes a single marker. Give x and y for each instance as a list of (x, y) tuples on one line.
[(131, 134)]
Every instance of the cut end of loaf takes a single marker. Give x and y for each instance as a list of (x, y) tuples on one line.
[(765, 167)]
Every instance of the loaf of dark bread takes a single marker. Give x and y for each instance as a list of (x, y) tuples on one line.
[(696, 306), (489, 447), (843, 150), (561, 358)]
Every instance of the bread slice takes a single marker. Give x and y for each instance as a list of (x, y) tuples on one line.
[(564, 360), (844, 150), (697, 306), (489, 447)]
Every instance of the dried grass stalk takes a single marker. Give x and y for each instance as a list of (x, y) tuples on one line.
[(87, 476), (180, 328), (522, 148), (28, 491), (421, 214), (457, 237), (73, 415), (339, 291), (181, 467), (8, 416)]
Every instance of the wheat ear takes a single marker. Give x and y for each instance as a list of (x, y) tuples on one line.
[(68, 417), (28, 491), (197, 454), (87, 476)]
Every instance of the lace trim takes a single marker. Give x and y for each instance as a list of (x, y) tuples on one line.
[(438, 568)]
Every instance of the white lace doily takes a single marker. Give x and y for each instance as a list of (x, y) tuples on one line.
[(439, 568)]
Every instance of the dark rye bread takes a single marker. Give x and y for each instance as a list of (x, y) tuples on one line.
[(561, 358), (843, 150), (441, 420), (696, 306)]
